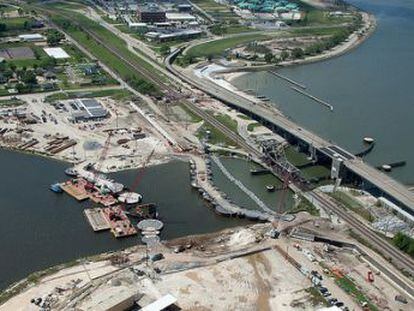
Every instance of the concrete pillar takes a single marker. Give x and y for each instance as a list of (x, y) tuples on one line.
[(336, 166), (313, 153)]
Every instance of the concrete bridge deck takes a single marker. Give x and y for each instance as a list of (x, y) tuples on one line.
[(267, 113)]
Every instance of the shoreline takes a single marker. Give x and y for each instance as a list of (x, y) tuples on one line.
[(353, 41)]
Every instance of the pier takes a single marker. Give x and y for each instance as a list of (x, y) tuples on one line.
[(316, 99), (276, 74)]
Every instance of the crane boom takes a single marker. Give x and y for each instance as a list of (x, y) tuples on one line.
[(104, 153)]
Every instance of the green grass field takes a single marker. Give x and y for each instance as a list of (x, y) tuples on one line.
[(15, 23), (118, 94), (218, 47)]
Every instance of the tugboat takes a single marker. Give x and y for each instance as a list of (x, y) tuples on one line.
[(71, 171), (270, 188), (56, 188)]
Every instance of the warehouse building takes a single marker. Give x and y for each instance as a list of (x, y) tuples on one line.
[(172, 35), (88, 110)]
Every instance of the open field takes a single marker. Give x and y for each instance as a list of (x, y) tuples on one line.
[(118, 94), (218, 47)]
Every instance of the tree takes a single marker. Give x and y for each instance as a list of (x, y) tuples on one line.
[(27, 25), (268, 57), (54, 37), (284, 55), (297, 53), (3, 27), (165, 50), (28, 77), (218, 30), (47, 63)]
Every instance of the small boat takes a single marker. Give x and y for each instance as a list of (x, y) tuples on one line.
[(71, 171), (56, 188), (368, 140), (270, 188), (386, 167)]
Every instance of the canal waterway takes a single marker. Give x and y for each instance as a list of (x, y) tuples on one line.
[(240, 169), (370, 88), (39, 228)]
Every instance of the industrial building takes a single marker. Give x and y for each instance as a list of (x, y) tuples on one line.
[(151, 13), (33, 37), (184, 8), (88, 110), (172, 35)]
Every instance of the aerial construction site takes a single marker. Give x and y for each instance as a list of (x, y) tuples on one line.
[(128, 87)]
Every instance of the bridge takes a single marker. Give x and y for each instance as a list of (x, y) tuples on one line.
[(348, 167)]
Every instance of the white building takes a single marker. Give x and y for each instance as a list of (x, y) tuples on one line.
[(35, 37)]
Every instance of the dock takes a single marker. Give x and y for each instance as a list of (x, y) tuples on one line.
[(97, 219), (76, 190), (318, 100)]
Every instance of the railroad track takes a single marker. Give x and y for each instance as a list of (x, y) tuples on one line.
[(397, 256)]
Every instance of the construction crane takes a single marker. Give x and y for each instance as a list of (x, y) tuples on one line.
[(138, 177), (141, 172), (103, 154), (281, 205)]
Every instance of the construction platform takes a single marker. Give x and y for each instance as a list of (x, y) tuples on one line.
[(96, 219), (78, 188), (103, 199), (119, 222), (75, 189)]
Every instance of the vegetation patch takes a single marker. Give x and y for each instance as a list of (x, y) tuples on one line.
[(227, 121), (304, 206), (118, 94), (252, 126), (404, 243), (349, 202), (349, 286)]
